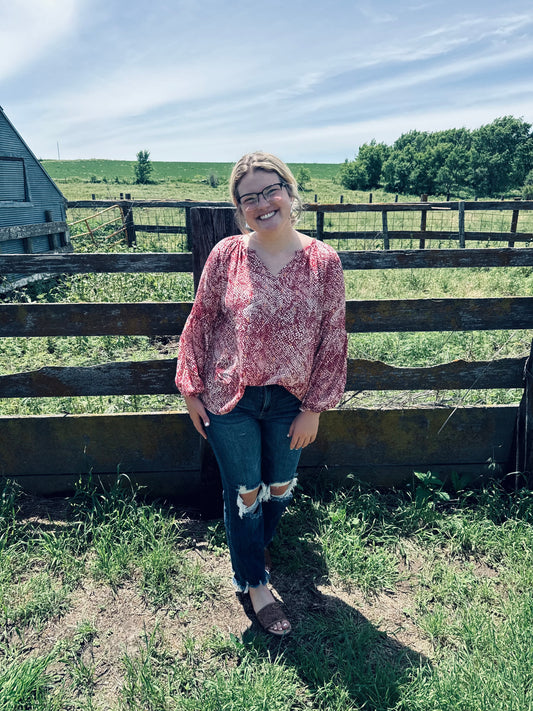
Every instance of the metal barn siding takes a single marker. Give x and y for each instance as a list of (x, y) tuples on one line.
[(12, 180), (28, 196)]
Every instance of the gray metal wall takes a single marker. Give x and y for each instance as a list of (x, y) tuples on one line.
[(41, 192)]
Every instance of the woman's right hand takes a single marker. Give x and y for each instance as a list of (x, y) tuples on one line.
[(198, 414)]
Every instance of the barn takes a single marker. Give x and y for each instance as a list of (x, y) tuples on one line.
[(32, 208)]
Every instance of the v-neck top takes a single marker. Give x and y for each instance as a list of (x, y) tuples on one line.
[(250, 327)]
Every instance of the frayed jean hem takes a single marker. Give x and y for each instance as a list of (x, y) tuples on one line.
[(244, 588)]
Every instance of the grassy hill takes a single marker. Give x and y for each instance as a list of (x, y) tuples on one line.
[(83, 170)]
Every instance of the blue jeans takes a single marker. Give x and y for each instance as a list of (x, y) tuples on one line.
[(253, 452)]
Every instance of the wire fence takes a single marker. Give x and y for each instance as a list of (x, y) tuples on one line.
[(164, 228)]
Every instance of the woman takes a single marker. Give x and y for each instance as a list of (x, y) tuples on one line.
[(262, 354)]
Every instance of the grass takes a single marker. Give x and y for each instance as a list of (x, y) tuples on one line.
[(107, 179), (399, 602), (112, 170), (80, 179)]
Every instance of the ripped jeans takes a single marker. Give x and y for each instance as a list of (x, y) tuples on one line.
[(253, 452)]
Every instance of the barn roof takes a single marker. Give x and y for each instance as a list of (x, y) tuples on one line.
[(28, 149)]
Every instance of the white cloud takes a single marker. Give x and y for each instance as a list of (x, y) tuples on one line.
[(418, 75), (144, 90), (31, 28)]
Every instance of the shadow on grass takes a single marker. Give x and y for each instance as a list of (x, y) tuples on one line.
[(344, 659)]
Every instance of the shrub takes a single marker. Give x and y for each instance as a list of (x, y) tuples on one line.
[(302, 178), (143, 168), (527, 190), (353, 176), (213, 180)]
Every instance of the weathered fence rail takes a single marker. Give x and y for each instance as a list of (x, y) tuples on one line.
[(362, 316), (31, 239), (162, 450), (161, 262)]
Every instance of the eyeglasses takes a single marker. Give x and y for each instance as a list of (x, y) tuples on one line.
[(271, 192)]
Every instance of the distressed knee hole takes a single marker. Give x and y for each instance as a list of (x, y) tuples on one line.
[(248, 500), (249, 497), (283, 490), (278, 490)]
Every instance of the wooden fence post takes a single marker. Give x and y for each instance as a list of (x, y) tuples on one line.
[(423, 222), (188, 228), (523, 464), (208, 226), (53, 240), (385, 230), (127, 217), (320, 226), (514, 225), (461, 208)]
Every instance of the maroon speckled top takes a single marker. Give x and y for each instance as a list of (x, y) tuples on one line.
[(251, 327)]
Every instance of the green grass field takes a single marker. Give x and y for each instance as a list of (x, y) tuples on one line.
[(180, 172), (106, 179), (80, 179)]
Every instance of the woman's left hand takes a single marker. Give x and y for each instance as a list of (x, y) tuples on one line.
[(303, 429)]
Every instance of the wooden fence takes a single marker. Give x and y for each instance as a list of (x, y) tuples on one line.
[(461, 234), (30, 239), (162, 450)]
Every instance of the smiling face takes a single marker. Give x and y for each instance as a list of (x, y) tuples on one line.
[(267, 215)]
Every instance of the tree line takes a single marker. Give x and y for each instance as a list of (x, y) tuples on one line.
[(487, 161)]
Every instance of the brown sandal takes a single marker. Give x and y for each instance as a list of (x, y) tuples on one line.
[(269, 615)]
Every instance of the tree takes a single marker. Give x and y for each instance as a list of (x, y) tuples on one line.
[(398, 168), (372, 156), (303, 177), (488, 161), (365, 171), (501, 155), (453, 173), (143, 168), (353, 176)]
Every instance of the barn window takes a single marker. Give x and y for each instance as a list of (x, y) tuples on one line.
[(12, 180)]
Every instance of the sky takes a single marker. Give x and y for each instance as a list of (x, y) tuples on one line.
[(206, 80)]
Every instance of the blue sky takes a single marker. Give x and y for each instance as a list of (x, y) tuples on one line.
[(206, 80)]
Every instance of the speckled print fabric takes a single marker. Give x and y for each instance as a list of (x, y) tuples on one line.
[(250, 327)]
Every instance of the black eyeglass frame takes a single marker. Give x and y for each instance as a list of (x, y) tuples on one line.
[(262, 192)]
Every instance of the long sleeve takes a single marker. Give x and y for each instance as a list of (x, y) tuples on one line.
[(328, 373), (198, 329)]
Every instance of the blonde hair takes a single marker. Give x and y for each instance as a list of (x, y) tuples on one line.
[(270, 163)]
